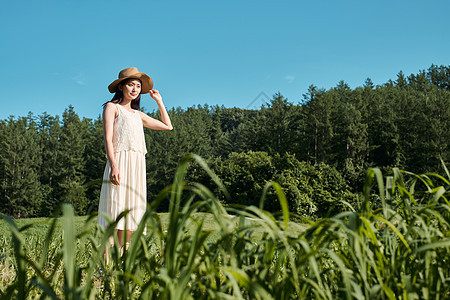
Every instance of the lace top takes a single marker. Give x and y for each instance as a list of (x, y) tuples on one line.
[(128, 131)]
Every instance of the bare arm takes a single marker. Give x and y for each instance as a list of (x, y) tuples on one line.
[(152, 123), (109, 115)]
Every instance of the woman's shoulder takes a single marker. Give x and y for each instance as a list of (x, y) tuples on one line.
[(110, 108)]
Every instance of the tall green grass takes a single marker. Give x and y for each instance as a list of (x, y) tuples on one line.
[(395, 245)]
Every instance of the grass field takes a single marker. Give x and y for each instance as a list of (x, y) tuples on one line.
[(37, 230), (35, 235), (40, 226), (395, 245)]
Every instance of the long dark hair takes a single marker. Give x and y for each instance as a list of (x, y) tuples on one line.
[(118, 97)]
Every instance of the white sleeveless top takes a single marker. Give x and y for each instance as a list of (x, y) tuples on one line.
[(128, 131)]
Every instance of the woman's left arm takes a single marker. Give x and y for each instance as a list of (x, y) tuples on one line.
[(152, 123)]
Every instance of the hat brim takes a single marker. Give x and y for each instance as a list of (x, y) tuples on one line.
[(147, 83)]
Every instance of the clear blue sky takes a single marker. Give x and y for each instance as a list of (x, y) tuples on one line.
[(57, 53)]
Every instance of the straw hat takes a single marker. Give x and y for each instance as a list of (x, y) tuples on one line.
[(147, 82)]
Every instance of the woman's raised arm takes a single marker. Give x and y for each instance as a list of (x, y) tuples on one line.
[(152, 123)]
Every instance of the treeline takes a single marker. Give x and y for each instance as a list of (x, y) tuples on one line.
[(318, 149)]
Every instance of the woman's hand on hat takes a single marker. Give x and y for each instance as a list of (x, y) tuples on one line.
[(155, 95)]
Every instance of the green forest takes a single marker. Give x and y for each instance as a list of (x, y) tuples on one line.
[(318, 149)]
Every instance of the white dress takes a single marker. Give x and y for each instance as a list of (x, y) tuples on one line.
[(131, 193)]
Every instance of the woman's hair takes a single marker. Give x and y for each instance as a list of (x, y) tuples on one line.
[(118, 96)]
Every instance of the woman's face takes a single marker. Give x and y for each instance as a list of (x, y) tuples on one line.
[(131, 89)]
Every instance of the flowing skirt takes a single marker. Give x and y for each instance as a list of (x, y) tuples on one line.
[(130, 194)]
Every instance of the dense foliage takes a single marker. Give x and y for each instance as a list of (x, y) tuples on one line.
[(332, 135), (394, 244)]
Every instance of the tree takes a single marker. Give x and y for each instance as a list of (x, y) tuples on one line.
[(383, 134), (279, 126), (95, 161), (70, 165), (401, 81), (19, 161), (49, 136), (312, 190), (191, 134), (439, 76), (245, 175), (315, 131)]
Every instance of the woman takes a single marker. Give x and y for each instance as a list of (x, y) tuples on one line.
[(124, 179)]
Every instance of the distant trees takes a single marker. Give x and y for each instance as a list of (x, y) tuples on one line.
[(20, 160), (318, 149), (311, 190)]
